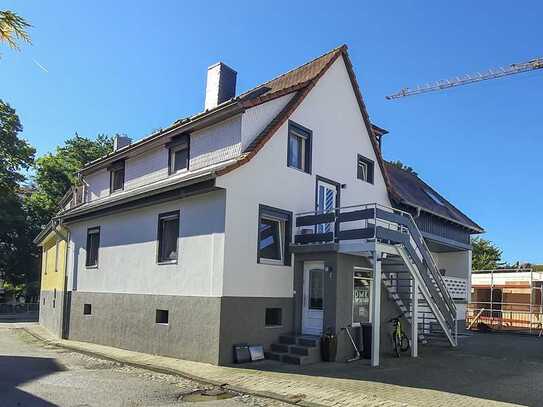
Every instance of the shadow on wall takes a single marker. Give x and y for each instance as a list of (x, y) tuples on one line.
[(17, 370)]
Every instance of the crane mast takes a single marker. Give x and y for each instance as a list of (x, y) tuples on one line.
[(495, 73)]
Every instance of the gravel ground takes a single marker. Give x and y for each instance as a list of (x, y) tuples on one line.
[(34, 374)]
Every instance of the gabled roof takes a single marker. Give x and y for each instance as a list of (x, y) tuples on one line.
[(291, 81), (408, 189), (302, 80)]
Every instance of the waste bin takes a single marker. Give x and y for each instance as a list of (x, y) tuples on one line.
[(329, 346), (366, 340)]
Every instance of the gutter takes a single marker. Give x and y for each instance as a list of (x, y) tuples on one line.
[(110, 204)]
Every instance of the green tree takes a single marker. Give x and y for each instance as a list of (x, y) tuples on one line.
[(17, 256), (13, 29), (402, 166), (486, 255), (56, 172)]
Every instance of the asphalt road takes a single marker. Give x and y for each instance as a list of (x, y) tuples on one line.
[(33, 374)]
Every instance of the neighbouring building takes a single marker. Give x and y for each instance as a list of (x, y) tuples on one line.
[(267, 219), (508, 298)]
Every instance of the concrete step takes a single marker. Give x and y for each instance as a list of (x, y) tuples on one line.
[(279, 347), (287, 339), (274, 356), (295, 349), (298, 360)]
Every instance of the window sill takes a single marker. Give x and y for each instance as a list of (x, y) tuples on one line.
[(161, 324), (271, 262), (273, 326), (91, 267), (299, 170), (166, 262)]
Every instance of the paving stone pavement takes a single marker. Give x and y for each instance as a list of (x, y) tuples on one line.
[(440, 377)]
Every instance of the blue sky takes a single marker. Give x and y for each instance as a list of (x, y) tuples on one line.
[(133, 66)]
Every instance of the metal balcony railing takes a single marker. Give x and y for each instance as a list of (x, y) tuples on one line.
[(379, 223)]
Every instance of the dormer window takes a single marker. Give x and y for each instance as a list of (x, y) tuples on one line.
[(179, 148), (116, 176)]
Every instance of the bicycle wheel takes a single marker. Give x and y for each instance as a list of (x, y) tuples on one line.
[(404, 343), (396, 343)]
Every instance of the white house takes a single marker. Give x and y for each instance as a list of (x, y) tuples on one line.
[(266, 219)]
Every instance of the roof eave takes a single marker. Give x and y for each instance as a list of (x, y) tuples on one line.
[(197, 122), (476, 228)]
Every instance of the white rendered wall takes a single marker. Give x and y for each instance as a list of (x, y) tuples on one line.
[(128, 251), (456, 264), (331, 111)]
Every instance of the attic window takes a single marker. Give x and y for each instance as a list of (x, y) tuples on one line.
[(116, 176), (434, 197), (179, 153)]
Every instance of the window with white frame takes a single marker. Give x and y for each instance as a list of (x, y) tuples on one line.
[(299, 147), (364, 169), (274, 230)]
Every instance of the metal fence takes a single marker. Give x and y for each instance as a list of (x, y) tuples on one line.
[(503, 316), (19, 308)]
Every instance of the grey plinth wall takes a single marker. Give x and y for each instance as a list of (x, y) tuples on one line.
[(243, 321), (51, 306), (128, 321)]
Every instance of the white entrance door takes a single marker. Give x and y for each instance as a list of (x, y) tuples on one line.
[(313, 300), (326, 202)]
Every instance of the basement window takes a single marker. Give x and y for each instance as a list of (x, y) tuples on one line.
[(364, 169), (93, 245), (162, 316), (299, 147), (274, 317), (87, 309), (168, 233)]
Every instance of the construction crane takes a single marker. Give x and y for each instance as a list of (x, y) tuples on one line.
[(495, 73)]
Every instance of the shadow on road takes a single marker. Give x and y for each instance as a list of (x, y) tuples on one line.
[(18, 370)]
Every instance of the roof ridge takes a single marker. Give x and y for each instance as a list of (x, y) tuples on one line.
[(342, 47)]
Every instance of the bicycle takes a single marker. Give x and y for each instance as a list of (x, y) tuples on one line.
[(400, 341)]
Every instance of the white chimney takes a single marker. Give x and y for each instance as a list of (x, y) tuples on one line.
[(221, 85), (120, 141)]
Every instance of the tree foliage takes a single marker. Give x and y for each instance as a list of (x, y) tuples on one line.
[(486, 255), (56, 172), (17, 254), (402, 166), (13, 29)]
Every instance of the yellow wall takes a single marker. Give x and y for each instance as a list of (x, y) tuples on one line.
[(53, 264)]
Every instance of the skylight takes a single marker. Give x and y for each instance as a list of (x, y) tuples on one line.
[(434, 197)]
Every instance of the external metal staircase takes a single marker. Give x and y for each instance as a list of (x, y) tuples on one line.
[(408, 262)]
